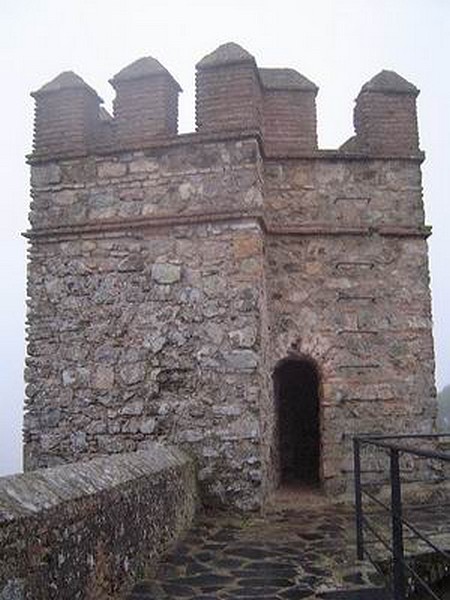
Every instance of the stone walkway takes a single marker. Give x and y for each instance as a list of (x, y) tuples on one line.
[(302, 548)]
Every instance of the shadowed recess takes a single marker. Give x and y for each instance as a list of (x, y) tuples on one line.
[(297, 397)]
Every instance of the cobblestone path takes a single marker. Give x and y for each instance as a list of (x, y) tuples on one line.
[(297, 550)]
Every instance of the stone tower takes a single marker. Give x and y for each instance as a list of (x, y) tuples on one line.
[(236, 291)]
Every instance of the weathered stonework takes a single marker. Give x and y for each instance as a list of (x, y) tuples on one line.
[(358, 298), (87, 530), (168, 276)]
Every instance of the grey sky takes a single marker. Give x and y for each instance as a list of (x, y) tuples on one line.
[(339, 44)]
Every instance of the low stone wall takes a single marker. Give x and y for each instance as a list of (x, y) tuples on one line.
[(86, 530)]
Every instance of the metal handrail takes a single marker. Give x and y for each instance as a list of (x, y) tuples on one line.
[(408, 524), (400, 565)]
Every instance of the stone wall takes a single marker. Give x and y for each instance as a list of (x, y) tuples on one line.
[(154, 332), (348, 276), (170, 273), (87, 530)]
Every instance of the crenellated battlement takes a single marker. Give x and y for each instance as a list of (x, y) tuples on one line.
[(233, 95)]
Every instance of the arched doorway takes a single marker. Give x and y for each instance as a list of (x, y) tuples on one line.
[(296, 382)]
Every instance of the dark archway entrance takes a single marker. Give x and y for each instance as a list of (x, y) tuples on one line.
[(296, 382)]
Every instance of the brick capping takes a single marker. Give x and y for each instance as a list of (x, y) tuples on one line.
[(332, 154), (425, 231), (199, 218), (143, 223), (421, 232)]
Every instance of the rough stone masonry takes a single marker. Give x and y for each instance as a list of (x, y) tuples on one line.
[(171, 277)]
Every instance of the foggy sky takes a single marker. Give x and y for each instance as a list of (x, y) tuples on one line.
[(339, 44)]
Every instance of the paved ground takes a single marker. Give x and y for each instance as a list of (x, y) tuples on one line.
[(302, 547)]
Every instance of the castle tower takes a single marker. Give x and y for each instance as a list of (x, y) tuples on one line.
[(227, 289)]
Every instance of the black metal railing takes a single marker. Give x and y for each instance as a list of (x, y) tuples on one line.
[(381, 524)]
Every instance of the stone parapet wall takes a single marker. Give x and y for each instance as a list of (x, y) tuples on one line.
[(87, 530), (344, 193), (175, 181)]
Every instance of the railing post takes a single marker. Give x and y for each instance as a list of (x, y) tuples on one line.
[(358, 499), (397, 528)]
